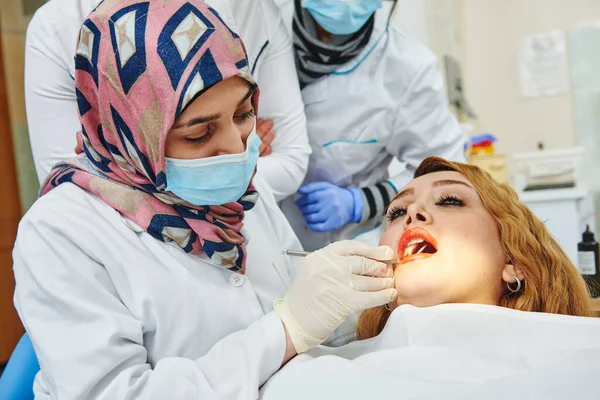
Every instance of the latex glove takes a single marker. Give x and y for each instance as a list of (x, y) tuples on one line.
[(331, 284), (327, 207), (264, 130)]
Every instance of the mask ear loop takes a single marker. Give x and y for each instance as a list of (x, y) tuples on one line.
[(392, 11)]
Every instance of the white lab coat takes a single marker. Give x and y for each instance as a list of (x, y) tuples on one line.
[(115, 314), (52, 105), (453, 351), (387, 102)]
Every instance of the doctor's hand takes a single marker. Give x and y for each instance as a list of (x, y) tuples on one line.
[(327, 207), (331, 284), (264, 130)]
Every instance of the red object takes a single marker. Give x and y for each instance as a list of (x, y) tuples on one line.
[(483, 143)]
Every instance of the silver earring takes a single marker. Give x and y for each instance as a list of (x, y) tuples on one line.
[(518, 282), (387, 307)]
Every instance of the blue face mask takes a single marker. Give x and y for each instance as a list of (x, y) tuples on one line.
[(214, 180), (341, 17)]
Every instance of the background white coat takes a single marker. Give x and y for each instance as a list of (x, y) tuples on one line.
[(114, 313), (388, 102)]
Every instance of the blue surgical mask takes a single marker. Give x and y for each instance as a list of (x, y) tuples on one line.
[(214, 180), (341, 17)]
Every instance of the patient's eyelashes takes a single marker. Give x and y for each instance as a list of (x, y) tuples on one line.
[(395, 213), (449, 200)]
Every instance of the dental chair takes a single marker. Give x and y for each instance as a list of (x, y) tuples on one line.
[(16, 382)]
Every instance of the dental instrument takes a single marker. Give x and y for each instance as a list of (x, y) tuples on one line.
[(300, 253)]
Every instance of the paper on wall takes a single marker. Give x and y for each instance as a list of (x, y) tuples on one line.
[(543, 64)]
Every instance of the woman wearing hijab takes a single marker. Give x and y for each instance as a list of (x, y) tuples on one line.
[(150, 266), (52, 118)]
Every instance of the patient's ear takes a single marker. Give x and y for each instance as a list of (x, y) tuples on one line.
[(510, 271)]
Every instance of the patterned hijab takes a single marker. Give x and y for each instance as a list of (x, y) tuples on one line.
[(138, 65)]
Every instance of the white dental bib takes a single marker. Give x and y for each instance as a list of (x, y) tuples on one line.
[(454, 351)]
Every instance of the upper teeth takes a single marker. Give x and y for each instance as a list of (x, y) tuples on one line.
[(415, 241), (410, 246)]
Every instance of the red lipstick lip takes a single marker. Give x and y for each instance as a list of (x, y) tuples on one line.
[(413, 233)]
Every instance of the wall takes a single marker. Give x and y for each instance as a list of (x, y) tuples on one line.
[(14, 17), (487, 35), (411, 17), (10, 214), (431, 22), (15, 165)]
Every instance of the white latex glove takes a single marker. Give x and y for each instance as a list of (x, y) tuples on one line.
[(333, 283)]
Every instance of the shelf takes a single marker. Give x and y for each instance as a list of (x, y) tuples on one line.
[(548, 195)]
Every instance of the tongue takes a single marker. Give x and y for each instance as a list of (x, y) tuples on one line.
[(425, 248)]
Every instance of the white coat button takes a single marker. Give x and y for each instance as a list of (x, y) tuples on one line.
[(237, 280)]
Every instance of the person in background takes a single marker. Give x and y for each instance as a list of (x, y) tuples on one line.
[(152, 267), (370, 94), (52, 103)]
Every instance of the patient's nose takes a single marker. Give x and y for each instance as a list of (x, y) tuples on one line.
[(417, 215)]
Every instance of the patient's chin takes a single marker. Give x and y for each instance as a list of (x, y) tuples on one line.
[(420, 296), (417, 300), (417, 289)]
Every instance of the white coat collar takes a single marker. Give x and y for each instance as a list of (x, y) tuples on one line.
[(377, 39)]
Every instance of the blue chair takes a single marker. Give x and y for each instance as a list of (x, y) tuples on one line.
[(16, 382)]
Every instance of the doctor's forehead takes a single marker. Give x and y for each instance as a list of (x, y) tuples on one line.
[(433, 180)]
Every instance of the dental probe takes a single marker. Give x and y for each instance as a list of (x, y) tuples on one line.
[(300, 253)]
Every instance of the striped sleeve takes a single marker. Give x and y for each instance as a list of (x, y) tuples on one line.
[(376, 199)]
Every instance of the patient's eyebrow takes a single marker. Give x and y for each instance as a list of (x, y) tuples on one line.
[(404, 193), (446, 182)]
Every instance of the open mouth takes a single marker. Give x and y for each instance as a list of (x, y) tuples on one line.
[(416, 244)]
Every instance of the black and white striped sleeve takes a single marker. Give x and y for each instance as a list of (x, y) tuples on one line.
[(376, 199)]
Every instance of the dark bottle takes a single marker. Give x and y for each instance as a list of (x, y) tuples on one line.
[(588, 261)]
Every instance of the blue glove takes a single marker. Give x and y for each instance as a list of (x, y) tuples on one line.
[(327, 207)]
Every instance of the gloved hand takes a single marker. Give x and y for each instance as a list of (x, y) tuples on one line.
[(331, 284), (327, 207)]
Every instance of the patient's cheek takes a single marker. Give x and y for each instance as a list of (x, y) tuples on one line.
[(391, 237), (385, 241)]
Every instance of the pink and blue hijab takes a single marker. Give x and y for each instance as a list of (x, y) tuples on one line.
[(138, 65)]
